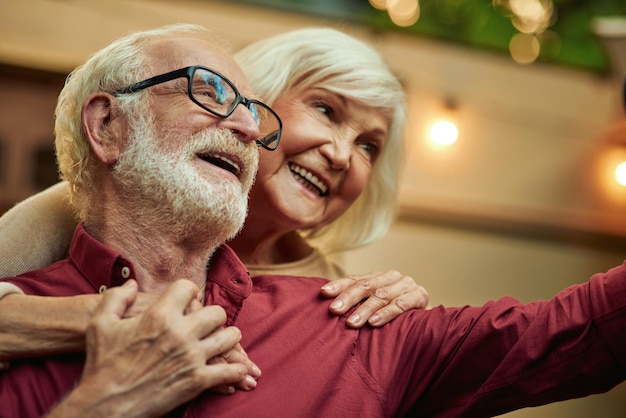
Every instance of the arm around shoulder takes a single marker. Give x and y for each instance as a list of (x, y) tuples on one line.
[(36, 232), (37, 325)]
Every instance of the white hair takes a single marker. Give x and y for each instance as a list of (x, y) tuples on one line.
[(121, 63), (332, 60)]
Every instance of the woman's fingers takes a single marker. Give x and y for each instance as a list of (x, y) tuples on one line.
[(384, 296)]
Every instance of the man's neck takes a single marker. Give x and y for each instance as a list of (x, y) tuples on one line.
[(159, 255)]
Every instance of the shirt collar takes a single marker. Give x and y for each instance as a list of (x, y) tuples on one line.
[(102, 266), (229, 272), (105, 268)]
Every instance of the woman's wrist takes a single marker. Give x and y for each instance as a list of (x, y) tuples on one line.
[(32, 325)]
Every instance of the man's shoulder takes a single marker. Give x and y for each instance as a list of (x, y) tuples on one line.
[(289, 281), (58, 279)]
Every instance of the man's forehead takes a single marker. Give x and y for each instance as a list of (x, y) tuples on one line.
[(171, 54)]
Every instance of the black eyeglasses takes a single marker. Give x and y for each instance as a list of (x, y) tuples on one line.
[(218, 95)]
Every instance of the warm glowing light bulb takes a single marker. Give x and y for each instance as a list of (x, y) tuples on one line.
[(444, 132), (620, 173)]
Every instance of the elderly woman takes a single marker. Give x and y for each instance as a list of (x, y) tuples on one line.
[(330, 186)]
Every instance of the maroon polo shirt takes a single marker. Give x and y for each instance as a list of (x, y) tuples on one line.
[(444, 362)]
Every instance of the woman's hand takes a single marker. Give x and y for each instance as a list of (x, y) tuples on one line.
[(386, 295)]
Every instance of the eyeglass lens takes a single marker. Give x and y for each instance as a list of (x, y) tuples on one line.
[(213, 92)]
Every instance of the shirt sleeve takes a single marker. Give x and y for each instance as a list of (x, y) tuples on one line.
[(36, 232), (505, 355), (9, 288)]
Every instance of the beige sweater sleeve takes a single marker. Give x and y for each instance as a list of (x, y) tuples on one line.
[(36, 232)]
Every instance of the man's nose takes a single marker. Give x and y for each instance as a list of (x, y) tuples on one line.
[(242, 124)]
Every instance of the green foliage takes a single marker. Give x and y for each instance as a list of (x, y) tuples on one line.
[(478, 23)]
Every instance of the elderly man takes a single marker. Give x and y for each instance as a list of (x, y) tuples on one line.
[(160, 176), (146, 184)]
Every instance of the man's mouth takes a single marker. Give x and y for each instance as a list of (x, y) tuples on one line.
[(223, 162), (308, 179)]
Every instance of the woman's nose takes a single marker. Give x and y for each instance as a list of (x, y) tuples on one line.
[(338, 153)]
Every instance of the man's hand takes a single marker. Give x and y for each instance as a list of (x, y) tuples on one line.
[(147, 365), (388, 294), (235, 355)]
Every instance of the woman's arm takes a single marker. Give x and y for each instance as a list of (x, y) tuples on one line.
[(35, 325), (36, 232), (39, 325)]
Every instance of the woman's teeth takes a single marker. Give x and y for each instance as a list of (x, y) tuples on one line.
[(308, 179)]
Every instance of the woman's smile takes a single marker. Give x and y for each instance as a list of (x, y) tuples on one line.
[(309, 180)]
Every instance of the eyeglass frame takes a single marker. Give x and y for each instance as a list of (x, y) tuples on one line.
[(188, 73)]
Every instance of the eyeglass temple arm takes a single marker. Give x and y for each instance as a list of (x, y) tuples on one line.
[(153, 81)]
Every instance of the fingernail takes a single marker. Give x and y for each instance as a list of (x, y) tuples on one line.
[(354, 319), (328, 287), (374, 319), (336, 304), (230, 389), (256, 372), (250, 382)]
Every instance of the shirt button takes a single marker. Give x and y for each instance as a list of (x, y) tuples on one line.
[(125, 272), (102, 289)]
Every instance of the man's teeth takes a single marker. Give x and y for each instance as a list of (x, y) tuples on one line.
[(222, 161), (309, 180), (230, 162)]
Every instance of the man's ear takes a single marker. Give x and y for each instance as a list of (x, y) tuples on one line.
[(103, 126)]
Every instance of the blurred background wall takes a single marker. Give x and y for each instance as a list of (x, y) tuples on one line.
[(524, 203)]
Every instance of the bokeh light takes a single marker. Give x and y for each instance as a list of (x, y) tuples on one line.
[(531, 16), (620, 173), (403, 12), (444, 132), (378, 4), (524, 48)]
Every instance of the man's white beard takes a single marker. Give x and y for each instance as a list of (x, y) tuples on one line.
[(168, 193)]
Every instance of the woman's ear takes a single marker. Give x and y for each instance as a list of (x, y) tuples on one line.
[(102, 125)]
